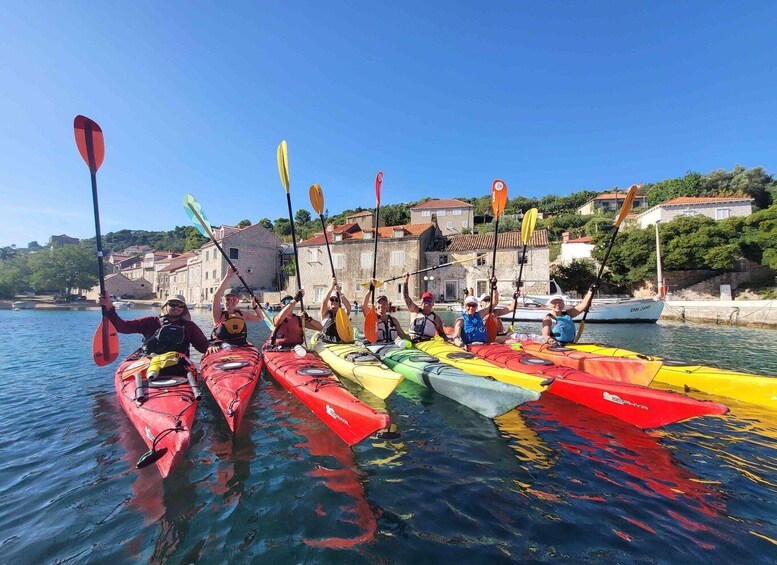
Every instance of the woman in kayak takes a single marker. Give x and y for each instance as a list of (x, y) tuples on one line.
[(557, 325), (230, 323), (388, 326), (424, 323), (333, 301), (485, 301), (289, 327), (172, 331)]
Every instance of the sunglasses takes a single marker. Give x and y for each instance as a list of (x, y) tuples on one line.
[(428, 301), (176, 304), (471, 305), (333, 299)]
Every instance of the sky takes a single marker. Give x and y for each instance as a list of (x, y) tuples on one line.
[(443, 97)]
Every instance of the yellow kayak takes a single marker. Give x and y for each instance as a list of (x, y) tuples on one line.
[(357, 363), (470, 363), (754, 389)]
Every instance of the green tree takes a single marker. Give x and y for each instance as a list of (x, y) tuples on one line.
[(14, 275), (244, 223), (63, 269), (33, 245), (301, 217), (266, 222), (578, 275)]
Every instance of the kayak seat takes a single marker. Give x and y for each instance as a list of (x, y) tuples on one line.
[(312, 371), (526, 360), (232, 366), (359, 357), (168, 382)]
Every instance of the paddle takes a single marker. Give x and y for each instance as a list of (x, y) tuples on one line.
[(91, 146), (370, 317), (200, 221), (527, 229), (625, 209), (418, 272), (498, 202), (342, 323)]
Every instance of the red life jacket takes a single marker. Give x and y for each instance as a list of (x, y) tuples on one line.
[(289, 332)]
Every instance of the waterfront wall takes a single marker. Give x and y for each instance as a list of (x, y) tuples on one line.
[(757, 313)]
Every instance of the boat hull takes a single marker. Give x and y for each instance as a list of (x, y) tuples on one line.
[(231, 376), (640, 310)]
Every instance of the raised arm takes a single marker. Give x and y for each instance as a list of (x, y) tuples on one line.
[(586, 302), (325, 302), (216, 310), (255, 314), (345, 304), (406, 294), (458, 327), (366, 301)]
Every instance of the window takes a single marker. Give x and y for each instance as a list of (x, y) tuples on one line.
[(521, 258), (449, 225), (481, 261), (441, 213), (399, 288), (233, 253), (464, 224), (206, 275), (426, 213), (366, 260), (457, 212), (688, 212), (480, 288), (207, 255), (337, 260), (318, 293), (451, 291), (722, 213), (214, 274), (338, 237), (442, 259), (313, 255), (397, 258)]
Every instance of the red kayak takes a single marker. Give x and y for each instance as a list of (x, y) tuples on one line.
[(620, 369), (637, 405), (231, 375), (310, 380), (162, 409)]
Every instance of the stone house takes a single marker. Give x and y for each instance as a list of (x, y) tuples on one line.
[(610, 202), (169, 278), (119, 285), (575, 248), (365, 219), (715, 207), (451, 282), (452, 215), (153, 262)]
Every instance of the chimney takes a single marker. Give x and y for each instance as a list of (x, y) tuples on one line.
[(565, 237)]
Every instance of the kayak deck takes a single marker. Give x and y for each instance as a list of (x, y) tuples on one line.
[(231, 375)]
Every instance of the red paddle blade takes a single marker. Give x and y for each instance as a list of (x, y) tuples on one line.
[(105, 343), (498, 197), (371, 325), (378, 184), (86, 129), (492, 328)]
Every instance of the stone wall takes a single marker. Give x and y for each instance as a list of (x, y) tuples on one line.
[(757, 313)]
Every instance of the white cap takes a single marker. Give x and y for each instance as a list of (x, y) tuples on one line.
[(471, 300), (555, 297), (485, 296)]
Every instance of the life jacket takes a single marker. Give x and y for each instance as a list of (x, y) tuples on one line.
[(330, 330), (231, 329), (474, 329), (422, 327), (562, 328), (171, 336), (387, 331), (289, 332)]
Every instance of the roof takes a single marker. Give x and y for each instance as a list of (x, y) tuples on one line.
[(438, 204), (360, 214), (384, 232), (621, 195), (685, 200), (347, 231), (584, 239), (506, 240), (177, 262)]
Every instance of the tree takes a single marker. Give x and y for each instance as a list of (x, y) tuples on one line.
[(62, 269), (266, 222), (578, 275), (244, 223), (33, 245), (7, 252), (302, 216), (14, 276), (282, 227)]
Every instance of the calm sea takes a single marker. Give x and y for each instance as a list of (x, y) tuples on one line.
[(548, 482)]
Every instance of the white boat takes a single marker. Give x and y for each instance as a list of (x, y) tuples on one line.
[(122, 304), (23, 305), (607, 310)]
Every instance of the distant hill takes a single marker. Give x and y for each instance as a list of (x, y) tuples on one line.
[(178, 240)]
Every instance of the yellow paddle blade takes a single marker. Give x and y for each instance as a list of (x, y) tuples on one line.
[(498, 197), (367, 284), (627, 204), (343, 326), (283, 164), (317, 199), (527, 226), (371, 325)]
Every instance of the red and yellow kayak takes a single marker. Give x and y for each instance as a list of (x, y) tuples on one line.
[(231, 375)]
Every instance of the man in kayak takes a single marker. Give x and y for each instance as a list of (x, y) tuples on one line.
[(173, 330), (558, 328), (388, 326), (290, 327), (333, 301), (229, 324), (424, 323)]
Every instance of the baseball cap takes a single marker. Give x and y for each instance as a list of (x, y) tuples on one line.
[(485, 296), (471, 300), (427, 296), (381, 297), (232, 291), (555, 297)]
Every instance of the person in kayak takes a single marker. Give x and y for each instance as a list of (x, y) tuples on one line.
[(558, 328), (424, 323), (333, 301), (173, 330), (229, 323), (290, 327), (389, 328), (485, 301)]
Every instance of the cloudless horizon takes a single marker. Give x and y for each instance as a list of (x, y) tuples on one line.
[(551, 97)]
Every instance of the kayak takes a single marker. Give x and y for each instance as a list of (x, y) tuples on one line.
[(357, 363), (484, 396), (313, 383), (637, 405), (162, 410), (745, 387), (231, 375), (620, 369), (470, 363)]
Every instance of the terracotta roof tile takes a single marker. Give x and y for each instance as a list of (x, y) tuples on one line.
[(347, 230), (361, 214), (584, 239), (387, 232), (506, 240), (434, 204), (705, 200)]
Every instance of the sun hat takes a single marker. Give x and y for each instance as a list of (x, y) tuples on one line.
[(175, 298), (555, 297), (471, 300), (485, 296), (232, 291), (427, 296)]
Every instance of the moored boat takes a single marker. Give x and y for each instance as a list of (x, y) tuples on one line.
[(628, 311), (161, 409), (231, 375)]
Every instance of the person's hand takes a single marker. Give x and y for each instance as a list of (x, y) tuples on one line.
[(306, 316), (105, 300), (334, 282), (493, 282), (406, 277), (254, 303), (299, 295), (594, 287), (214, 348)]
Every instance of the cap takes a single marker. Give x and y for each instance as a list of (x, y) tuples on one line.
[(232, 291), (427, 296), (555, 297), (175, 298), (471, 300), (485, 296), (381, 297), (287, 299)]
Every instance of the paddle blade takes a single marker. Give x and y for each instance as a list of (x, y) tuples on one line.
[(580, 330), (492, 328), (343, 326), (366, 285), (105, 343), (85, 128), (317, 199), (371, 325), (378, 184), (197, 216), (283, 164), (627, 204), (498, 197), (527, 226)]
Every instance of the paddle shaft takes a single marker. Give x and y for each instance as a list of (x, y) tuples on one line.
[(294, 244), (518, 283), (329, 253), (98, 236), (427, 269), (598, 278), (493, 266), (375, 255)]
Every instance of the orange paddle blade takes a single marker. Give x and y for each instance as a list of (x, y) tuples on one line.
[(105, 343), (317, 198), (492, 328), (85, 128), (627, 204), (498, 197), (371, 325), (343, 326)]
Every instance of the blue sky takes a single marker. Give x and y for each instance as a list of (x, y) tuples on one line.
[(552, 97)]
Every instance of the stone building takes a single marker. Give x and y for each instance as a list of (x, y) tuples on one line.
[(715, 207), (610, 202), (452, 215), (118, 284)]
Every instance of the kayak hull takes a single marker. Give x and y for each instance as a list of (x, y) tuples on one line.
[(313, 383), (167, 413), (231, 376), (487, 397), (639, 406), (357, 363)]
